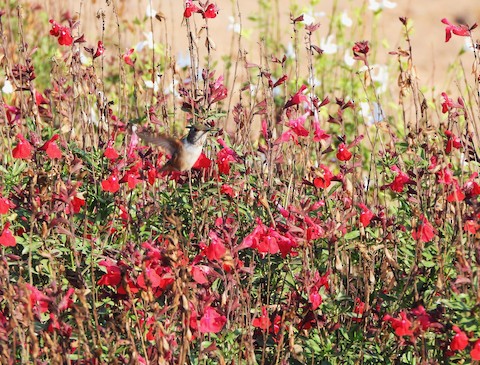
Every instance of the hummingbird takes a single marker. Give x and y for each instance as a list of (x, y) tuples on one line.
[(185, 152)]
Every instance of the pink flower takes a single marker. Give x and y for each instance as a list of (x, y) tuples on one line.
[(425, 231), (315, 298), (460, 30), (297, 125), (211, 321), (459, 341), (127, 59), (190, 8), (448, 104), (298, 98)]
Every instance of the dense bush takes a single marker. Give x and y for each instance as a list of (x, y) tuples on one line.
[(331, 219)]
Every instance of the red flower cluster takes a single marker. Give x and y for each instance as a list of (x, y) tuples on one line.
[(62, 33), (209, 11)]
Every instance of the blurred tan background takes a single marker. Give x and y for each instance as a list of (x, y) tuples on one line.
[(431, 54)]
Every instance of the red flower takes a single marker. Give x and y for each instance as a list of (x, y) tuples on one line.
[(63, 33), (297, 125), (459, 341), (127, 59), (425, 231), (315, 298), (360, 51), (457, 195), (113, 277), (262, 322), (475, 353), (365, 215), (448, 103), (216, 250), (210, 12), (452, 142), (5, 205), (111, 184), (400, 325), (227, 190), (203, 162), (211, 321), (224, 157), (358, 310), (471, 226), (324, 178), (343, 154), (297, 98), (6, 238), (23, 149), (51, 148), (100, 50), (423, 317), (400, 180), (110, 152), (40, 99), (460, 30), (38, 300), (77, 203), (190, 8)]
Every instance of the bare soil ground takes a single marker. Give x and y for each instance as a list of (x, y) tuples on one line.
[(431, 54)]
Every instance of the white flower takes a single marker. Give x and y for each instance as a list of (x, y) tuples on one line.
[(172, 89), (348, 59), (85, 60), (328, 46), (183, 60), (153, 85), (383, 4), (146, 43), (7, 86), (308, 19), (290, 51), (150, 12), (380, 74), (233, 26), (346, 20), (369, 116), (468, 45)]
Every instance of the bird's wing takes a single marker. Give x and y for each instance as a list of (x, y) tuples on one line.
[(162, 140)]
